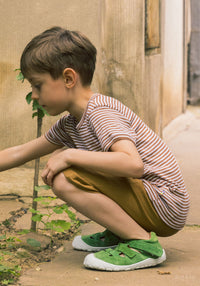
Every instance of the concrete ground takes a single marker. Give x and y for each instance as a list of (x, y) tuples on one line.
[(182, 265)]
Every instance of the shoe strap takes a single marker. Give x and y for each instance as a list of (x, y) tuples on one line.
[(153, 249), (123, 248), (108, 235)]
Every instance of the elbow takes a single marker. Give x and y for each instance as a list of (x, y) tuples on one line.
[(137, 170), (140, 170)]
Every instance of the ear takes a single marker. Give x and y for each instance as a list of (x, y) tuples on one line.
[(70, 77)]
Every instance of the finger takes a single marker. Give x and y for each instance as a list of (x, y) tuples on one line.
[(44, 180), (45, 172), (49, 178)]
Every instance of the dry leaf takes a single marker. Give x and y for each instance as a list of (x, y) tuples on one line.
[(163, 272)]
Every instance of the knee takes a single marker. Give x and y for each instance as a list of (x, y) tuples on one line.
[(61, 186)]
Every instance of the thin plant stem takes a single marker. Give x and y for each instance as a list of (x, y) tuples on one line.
[(36, 175)]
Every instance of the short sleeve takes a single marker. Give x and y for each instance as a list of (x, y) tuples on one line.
[(57, 134), (110, 126)]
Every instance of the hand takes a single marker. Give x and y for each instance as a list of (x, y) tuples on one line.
[(55, 165)]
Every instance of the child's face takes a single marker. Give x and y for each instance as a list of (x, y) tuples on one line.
[(51, 94)]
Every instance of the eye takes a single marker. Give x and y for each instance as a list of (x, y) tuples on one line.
[(36, 86)]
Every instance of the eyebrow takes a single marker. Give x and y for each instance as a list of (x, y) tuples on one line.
[(32, 79)]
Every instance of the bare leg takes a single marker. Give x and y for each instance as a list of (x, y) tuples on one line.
[(99, 208)]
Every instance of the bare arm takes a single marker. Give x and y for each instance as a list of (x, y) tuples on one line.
[(18, 155), (123, 161)]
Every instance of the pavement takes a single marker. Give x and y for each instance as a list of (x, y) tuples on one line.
[(182, 267)]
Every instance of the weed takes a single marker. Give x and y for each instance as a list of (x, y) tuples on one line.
[(8, 271), (54, 225), (8, 274)]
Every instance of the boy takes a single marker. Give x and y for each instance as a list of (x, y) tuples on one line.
[(115, 170)]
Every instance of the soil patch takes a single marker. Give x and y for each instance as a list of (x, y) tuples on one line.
[(23, 249)]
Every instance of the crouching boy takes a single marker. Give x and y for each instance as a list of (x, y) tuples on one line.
[(115, 169)]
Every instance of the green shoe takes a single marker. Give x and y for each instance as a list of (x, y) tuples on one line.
[(96, 242), (129, 255)]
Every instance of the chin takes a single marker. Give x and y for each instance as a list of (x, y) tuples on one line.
[(54, 113)]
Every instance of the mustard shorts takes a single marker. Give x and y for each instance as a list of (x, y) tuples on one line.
[(128, 193)]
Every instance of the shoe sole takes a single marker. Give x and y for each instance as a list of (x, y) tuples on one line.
[(94, 263), (79, 244)]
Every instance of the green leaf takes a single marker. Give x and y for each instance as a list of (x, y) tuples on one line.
[(28, 97), (35, 105), (24, 231), (43, 110), (8, 269), (61, 223), (50, 199), (20, 76), (39, 199), (7, 253), (33, 242), (58, 210), (40, 113), (58, 225), (71, 215), (34, 114), (37, 217), (11, 239), (3, 268), (7, 281), (45, 203), (45, 200), (37, 188), (34, 211), (44, 187)]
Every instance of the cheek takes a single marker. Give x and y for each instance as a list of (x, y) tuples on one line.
[(60, 94)]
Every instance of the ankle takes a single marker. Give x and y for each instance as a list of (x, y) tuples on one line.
[(143, 236)]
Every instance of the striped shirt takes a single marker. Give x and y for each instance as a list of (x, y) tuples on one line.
[(107, 120)]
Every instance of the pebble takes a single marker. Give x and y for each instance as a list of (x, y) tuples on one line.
[(60, 249)]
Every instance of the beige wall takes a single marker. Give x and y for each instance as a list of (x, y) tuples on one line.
[(172, 53), (166, 72), (122, 55), (20, 21), (152, 108), (152, 85)]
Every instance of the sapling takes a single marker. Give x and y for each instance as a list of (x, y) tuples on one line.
[(39, 112)]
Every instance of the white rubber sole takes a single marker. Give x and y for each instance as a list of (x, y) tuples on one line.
[(94, 263), (79, 244)]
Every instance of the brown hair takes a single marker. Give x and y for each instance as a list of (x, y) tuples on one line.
[(56, 49)]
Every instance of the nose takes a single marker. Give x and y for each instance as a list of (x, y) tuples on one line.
[(34, 95)]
